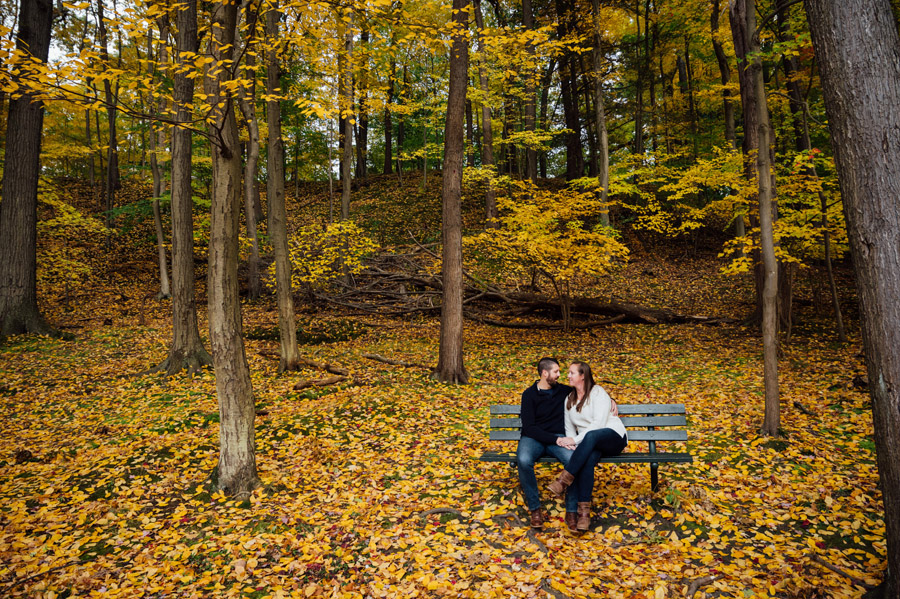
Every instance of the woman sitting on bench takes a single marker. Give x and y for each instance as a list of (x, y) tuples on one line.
[(589, 427)]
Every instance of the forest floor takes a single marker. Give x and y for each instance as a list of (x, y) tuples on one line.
[(375, 489)]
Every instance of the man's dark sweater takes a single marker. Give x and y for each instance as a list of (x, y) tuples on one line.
[(543, 413)]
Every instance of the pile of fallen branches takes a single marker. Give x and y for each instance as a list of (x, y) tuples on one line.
[(398, 284)]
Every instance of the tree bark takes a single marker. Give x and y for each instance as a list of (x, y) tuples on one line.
[(187, 351), (565, 13), (157, 144), (388, 125), (858, 50), (236, 470), (743, 22), (112, 151), (600, 117), (345, 91), (21, 167), (247, 103), (530, 108), (487, 132), (450, 367), (287, 324), (546, 81), (362, 128)]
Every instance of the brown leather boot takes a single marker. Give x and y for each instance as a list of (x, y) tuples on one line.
[(558, 487), (571, 521), (584, 516), (537, 519)]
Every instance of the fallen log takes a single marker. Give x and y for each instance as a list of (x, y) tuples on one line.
[(319, 382), (533, 324), (394, 362)]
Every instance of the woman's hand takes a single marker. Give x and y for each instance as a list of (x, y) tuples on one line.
[(567, 442)]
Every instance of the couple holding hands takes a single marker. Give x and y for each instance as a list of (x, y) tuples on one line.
[(577, 424)]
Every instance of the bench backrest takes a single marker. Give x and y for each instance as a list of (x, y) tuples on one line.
[(641, 420)]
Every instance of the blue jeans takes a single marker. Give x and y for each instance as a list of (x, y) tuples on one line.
[(581, 464), (528, 453)]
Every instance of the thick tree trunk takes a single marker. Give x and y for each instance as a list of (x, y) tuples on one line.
[(450, 367), (858, 51), (21, 167), (600, 117), (743, 22), (237, 445), (157, 144), (287, 324), (487, 132), (247, 103), (186, 351)]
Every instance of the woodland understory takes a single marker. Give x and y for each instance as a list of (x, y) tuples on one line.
[(372, 485)]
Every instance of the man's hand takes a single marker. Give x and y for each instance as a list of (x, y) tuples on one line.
[(567, 442), (614, 409)]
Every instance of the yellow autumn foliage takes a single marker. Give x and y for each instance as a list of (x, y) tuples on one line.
[(322, 253), (557, 233)]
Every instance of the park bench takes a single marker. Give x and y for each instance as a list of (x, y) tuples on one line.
[(646, 423)]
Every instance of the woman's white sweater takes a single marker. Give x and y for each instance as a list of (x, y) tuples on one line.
[(594, 415)]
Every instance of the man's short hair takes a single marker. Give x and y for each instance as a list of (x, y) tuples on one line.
[(545, 364)]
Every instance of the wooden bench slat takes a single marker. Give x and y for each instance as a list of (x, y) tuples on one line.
[(628, 421), (633, 435), (624, 458), (624, 410)]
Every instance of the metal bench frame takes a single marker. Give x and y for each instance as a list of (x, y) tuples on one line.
[(641, 420)]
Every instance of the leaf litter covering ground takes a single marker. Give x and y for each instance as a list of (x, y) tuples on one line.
[(103, 475)]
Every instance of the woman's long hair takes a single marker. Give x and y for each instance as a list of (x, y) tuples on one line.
[(585, 370)]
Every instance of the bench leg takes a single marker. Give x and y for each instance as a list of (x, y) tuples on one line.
[(654, 477)]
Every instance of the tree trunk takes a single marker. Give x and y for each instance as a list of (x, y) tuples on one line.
[(450, 367), (487, 132), (186, 351), (724, 76), (858, 51), (345, 84), (566, 28), (21, 168), (530, 108), (388, 125), (247, 103), (112, 151), (600, 117), (546, 81), (639, 83), (237, 445), (362, 124), (401, 128), (157, 143), (743, 21), (287, 324), (470, 135)]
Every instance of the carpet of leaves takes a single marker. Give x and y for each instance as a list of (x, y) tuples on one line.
[(104, 470)]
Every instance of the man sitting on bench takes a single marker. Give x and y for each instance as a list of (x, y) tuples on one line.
[(543, 427)]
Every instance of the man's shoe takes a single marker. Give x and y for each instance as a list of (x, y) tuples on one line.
[(584, 516), (571, 524), (537, 519), (558, 487)]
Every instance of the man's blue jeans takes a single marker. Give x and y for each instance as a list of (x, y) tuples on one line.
[(528, 453)]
